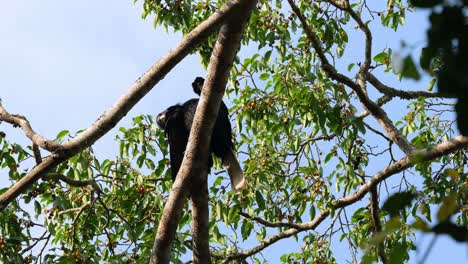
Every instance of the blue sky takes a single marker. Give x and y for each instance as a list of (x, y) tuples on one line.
[(62, 64)]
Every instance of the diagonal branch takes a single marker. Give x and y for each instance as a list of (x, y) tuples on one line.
[(109, 119), (392, 92), (436, 151), (193, 171), (268, 223), (368, 36), (72, 182), (23, 123), (345, 6), (359, 88)]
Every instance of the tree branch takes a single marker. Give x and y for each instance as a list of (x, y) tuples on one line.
[(368, 35), (436, 151), (77, 209), (72, 182), (268, 223), (359, 88), (21, 121), (194, 169), (392, 92), (285, 234), (109, 119), (200, 220)]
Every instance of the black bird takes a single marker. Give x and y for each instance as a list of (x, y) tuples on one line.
[(177, 122)]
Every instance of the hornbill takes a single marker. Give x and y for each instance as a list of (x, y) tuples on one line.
[(176, 121)]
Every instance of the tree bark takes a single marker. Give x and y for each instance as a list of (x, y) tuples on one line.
[(194, 166), (200, 221)]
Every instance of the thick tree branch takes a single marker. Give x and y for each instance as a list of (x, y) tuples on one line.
[(193, 170), (359, 88), (436, 151), (108, 120), (392, 92), (21, 121), (200, 220)]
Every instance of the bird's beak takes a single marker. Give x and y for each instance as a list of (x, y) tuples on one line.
[(161, 120)]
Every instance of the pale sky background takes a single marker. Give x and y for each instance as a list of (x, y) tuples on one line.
[(63, 63)]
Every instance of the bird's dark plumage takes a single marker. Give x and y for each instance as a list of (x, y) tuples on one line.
[(197, 85), (177, 122), (172, 121)]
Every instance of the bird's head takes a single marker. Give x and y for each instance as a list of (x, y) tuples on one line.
[(171, 113), (197, 85)]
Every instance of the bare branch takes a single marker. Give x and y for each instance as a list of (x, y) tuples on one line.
[(36, 241), (380, 101), (21, 121), (109, 119), (392, 92), (72, 182), (77, 209), (268, 223), (194, 165)]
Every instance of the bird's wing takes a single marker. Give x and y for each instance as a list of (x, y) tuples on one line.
[(177, 135)]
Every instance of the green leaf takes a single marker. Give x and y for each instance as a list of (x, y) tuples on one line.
[(397, 253), (382, 57), (264, 76), (61, 134), (246, 229), (409, 69), (37, 208), (312, 212), (260, 200)]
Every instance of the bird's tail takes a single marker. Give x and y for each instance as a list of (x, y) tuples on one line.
[(231, 164)]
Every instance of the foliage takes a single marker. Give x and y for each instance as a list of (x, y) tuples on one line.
[(301, 138)]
